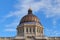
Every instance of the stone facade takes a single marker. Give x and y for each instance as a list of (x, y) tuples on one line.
[(30, 28), (49, 38), (6, 38)]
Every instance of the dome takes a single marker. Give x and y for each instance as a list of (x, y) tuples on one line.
[(29, 17)]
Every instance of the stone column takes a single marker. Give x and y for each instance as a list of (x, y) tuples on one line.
[(32, 30), (28, 30), (24, 31), (36, 31)]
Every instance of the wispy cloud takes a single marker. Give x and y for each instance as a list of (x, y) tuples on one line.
[(10, 30), (51, 32), (54, 22), (12, 26), (50, 7)]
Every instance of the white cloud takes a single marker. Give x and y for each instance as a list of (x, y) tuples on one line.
[(13, 24), (10, 30), (52, 32), (54, 22), (52, 8)]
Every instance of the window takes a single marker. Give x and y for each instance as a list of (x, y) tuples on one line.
[(33, 30), (38, 30), (30, 30), (23, 30), (26, 29)]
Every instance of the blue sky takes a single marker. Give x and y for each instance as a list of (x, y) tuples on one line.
[(11, 11)]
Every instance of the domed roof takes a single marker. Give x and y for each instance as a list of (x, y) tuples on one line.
[(29, 17)]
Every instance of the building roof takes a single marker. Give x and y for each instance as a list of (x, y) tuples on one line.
[(29, 17)]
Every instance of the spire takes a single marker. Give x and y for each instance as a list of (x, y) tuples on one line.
[(29, 11)]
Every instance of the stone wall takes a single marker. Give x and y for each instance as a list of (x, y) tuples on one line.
[(53, 38), (5, 38)]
